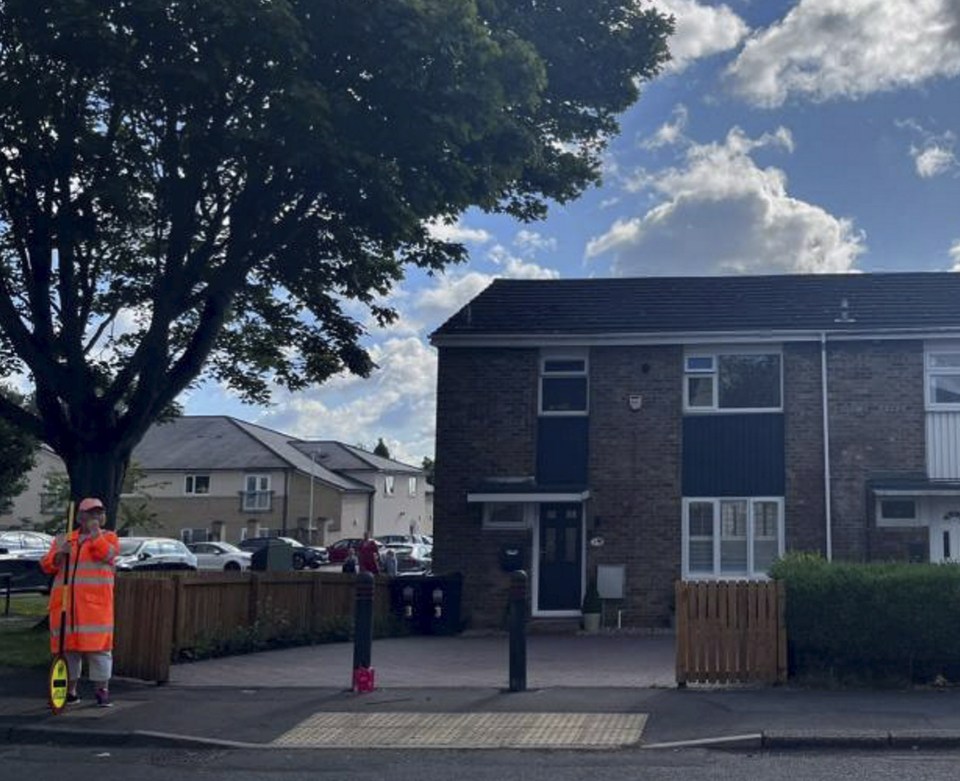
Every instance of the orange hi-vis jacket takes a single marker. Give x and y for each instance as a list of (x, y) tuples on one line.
[(89, 625)]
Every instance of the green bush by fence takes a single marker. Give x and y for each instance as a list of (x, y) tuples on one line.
[(871, 621)]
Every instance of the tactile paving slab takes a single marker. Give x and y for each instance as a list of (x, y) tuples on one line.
[(466, 730)]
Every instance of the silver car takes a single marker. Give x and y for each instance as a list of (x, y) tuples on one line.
[(220, 556)]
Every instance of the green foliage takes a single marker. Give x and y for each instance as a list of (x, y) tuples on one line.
[(381, 449), (16, 455), (871, 621), (428, 467), (223, 180), (591, 599), (279, 633)]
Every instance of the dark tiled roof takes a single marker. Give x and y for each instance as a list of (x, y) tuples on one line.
[(347, 458), (811, 302), (215, 442)]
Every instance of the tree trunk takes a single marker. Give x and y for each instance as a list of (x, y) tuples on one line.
[(98, 473)]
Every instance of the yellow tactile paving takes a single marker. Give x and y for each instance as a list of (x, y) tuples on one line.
[(466, 730)]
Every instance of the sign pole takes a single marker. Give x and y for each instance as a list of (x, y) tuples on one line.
[(59, 678)]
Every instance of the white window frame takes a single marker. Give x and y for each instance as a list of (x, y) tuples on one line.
[(190, 484), (716, 574), (715, 355), (411, 486), (930, 371), (389, 485), (525, 521), (584, 372), (914, 521), (262, 489)]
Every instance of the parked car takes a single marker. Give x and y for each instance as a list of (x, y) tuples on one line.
[(303, 555), (404, 539), (341, 548), (220, 556), (413, 558), (25, 572), (154, 553), (16, 541)]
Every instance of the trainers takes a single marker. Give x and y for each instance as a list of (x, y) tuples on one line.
[(72, 699), (103, 699)]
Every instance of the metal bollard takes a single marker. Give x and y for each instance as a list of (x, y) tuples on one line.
[(362, 626), (518, 631)]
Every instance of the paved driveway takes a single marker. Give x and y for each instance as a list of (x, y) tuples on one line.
[(552, 661)]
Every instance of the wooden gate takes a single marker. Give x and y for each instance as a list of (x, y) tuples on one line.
[(730, 631)]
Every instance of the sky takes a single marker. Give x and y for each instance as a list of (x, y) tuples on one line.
[(810, 136)]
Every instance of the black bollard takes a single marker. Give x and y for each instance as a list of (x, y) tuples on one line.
[(362, 624), (518, 631)]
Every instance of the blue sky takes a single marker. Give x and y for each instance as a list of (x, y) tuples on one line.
[(809, 137)]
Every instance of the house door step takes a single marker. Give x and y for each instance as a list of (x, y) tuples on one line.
[(554, 626)]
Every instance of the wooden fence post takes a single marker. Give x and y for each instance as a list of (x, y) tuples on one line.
[(179, 614)]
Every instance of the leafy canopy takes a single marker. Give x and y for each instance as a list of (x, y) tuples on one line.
[(192, 186)]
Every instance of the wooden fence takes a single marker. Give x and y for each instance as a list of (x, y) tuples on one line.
[(159, 615), (731, 631)]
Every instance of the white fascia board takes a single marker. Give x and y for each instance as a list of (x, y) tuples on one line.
[(922, 492), (686, 337), (527, 498)]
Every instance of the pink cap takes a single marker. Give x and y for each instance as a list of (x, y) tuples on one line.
[(90, 503)]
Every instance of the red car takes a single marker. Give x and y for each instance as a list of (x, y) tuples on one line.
[(339, 551)]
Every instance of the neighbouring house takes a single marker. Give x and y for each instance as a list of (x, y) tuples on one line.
[(216, 477), (665, 428), (37, 506)]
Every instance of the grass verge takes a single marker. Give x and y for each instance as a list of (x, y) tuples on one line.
[(21, 644)]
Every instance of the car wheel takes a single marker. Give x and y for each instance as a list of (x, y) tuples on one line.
[(231, 566), (298, 562)]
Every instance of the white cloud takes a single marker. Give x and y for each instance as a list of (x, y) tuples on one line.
[(457, 232), (934, 153), (954, 253), (825, 49), (671, 131), (531, 241), (933, 161), (719, 212), (701, 30)]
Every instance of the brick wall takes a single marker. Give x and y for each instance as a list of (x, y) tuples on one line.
[(486, 427), (876, 429), (803, 441), (635, 473)]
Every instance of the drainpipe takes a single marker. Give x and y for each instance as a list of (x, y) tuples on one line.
[(826, 444)]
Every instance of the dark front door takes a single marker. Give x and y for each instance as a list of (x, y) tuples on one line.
[(560, 556)]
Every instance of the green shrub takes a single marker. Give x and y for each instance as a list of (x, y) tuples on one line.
[(591, 599), (871, 621)]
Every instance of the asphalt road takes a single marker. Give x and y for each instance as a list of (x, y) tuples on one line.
[(48, 763)]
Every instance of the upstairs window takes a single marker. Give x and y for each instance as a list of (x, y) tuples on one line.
[(257, 494), (388, 485), (741, 381), (563, 385), (412, 486), (196, 484), (943, 379)]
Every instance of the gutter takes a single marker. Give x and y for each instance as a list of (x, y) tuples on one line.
[(826, 445)]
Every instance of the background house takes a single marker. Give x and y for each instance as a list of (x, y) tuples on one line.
[(677, 428), (36, 505), (216, 477)]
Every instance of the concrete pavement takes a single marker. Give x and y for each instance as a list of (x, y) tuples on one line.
[(584, 692)]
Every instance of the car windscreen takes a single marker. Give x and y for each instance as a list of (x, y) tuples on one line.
[(129, 547)]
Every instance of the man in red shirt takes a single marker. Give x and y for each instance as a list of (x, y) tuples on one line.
[(369, 555)]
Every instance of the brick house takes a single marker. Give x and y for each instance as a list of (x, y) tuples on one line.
[(674, 428)]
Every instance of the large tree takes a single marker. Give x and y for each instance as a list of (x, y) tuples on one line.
[(193, 188)]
